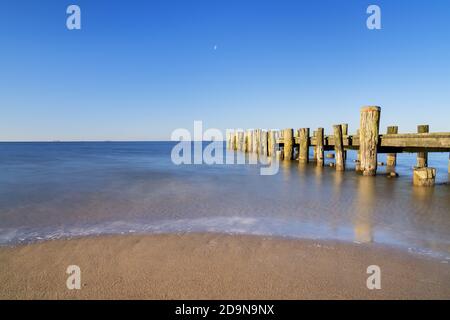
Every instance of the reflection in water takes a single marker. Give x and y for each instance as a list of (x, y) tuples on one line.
[(422, 195), (286, 168), (51, 190), (365, 204), (318, 173), (301, 169)]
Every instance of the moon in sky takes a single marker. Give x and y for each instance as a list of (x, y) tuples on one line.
[(215, 47)]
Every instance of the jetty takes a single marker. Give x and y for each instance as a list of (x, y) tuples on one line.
[(289, 144)]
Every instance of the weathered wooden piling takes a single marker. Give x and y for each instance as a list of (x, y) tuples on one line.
[(391, 158), (258, 135), (288, 138), (319, 147), (272, 143), (344, 128), (234, 140), (424, 177), (255, 141), (314, 149), (303, 155), (339, 148), (229, 137), (248, 140), (368, 139), (358, 154), (422, 157), (241, 141), (264, 143)]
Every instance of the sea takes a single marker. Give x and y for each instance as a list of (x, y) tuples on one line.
[(54, 190)]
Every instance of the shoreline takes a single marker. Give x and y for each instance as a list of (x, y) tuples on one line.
[(216, 266), (428, 254)]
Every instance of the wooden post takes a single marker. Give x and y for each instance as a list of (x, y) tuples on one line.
[(260, 141), (258, 136), (424, 177), (241, 141), (247, 140), (422, 157), (314, 148), (272, 143), (368, 139), (319, 147), (358, 154), (228, 140), (391, 158), (339, 148), (234, 140), (264, 142), (344, 128), (303, 152), (288, 138), (254, 141)]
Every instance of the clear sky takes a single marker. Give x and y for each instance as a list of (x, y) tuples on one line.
[(137, 70)]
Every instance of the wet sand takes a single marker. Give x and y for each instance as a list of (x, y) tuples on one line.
[(216, 266)]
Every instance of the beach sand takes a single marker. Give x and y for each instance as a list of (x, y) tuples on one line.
[(216, 266)]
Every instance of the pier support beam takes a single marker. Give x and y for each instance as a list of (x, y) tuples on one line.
[(241, 141), (264, 143), (255, 141), (424, 177), (368, 139), (391, 158), (358, 154), (422, 157), (234, 141), (229, 139), (344, 128), (248, 140), (339, 148), (314, 149), (319, 147), (272, 143), (303, 155), (288, 138), (258, 141)]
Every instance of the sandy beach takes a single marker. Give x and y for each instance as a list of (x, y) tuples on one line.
[(216, 266)]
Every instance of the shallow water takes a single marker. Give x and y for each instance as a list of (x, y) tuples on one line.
[(54, 190)]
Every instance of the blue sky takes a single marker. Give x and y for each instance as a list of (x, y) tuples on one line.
[(137, 70)]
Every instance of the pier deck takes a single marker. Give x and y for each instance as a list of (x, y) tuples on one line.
[(290, 144), (405, 142)]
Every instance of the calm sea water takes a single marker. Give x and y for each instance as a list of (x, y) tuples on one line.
[(54, 190)]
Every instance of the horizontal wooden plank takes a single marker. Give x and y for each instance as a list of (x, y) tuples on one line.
[(407, 142)]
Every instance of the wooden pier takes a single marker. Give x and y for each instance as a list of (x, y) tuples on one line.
[(368, 141)]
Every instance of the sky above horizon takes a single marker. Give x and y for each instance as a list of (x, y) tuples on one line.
[(137, 70)]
